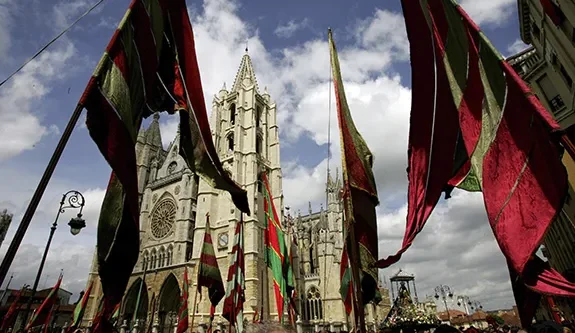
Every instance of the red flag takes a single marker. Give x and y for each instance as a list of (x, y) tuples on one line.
[(42, 314), (11, 310), (183, 312), (477, 126), (149, 66), (233, 309)]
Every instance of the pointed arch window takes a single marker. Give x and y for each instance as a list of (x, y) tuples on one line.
[(233, 114), (170, 255), (259, 144), (145, 260), (230, 141), (258, 116), (153, 260), (313, 309), (162, 257)]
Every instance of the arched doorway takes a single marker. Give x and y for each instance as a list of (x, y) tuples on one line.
[(169, 304), (138, 287)]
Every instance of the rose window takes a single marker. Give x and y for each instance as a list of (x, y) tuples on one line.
[(163, 218)]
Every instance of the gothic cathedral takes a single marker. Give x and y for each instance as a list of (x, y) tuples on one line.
[(175, 204)]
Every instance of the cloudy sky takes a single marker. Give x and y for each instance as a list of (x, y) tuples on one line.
[(288, 44)]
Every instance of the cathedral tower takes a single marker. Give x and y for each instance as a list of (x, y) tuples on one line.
[(246, 135), (175, 204)]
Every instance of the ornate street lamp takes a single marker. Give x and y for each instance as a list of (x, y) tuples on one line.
[(475, 305), (445, 292), (71, 199), (465, 301)]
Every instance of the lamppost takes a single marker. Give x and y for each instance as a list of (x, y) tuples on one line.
[(465, 301), (475, 305), (71, 199), (445, 292)]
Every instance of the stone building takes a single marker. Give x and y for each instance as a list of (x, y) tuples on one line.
[(174, 208), (320, 242), (549, 68)]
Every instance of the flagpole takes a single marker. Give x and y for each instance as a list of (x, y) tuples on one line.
[(206, 229), (6, 289), (38, 193), (194, 307), (135, 316), (357, 297)]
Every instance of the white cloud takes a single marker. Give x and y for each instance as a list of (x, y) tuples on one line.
[(516, 47), (287, 30), (494, 12), (298, 78), (65, 13), (20, 127), (71, 253)]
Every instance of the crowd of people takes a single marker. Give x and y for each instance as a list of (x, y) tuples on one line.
[(540, 327)]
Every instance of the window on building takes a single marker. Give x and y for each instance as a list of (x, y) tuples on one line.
[(259, 145), (230, 143), (311, 259), (550, 94), (258, 116), (535, 30), (313, 305), (233, 114), (566, 76)]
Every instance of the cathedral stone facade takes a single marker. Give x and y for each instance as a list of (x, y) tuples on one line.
[(175, 204)]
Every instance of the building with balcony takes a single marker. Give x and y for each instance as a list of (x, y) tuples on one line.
[(548, 66)]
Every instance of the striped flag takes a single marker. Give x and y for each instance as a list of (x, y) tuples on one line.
[(209, 275), (234, 302), (116, 314), (42, 314), (275, 247), (7, 321), (476, 125), (360, 200), (345, 289), (49, 318), (183, 313), (80, 309), (149, 66)]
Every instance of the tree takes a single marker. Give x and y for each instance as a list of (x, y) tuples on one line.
[(5, 220)]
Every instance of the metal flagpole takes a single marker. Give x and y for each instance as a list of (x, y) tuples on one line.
[(6, 289), (135, 316), (206, 229), (194, 308)]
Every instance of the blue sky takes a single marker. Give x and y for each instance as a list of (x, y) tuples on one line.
[(288, 46)]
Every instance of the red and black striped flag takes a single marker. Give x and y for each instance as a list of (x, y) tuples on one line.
[(42, 314), (477, 126), (7, 321), (234, 302), (209, 275), (149, 66), (183, 312), (360, 200)]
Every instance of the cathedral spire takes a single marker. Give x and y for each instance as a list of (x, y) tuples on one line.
[(153, 135), (245, 74)]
